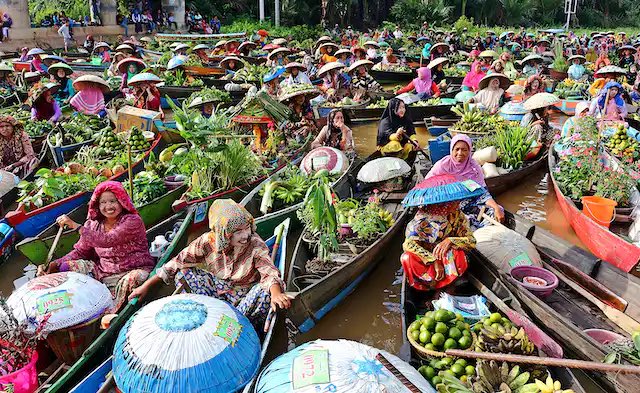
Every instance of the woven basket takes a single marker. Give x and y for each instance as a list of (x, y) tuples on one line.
[(69, 344)]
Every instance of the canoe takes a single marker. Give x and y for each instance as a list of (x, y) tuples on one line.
[(102, 347), (415, 303), (252, 201), (415, 113), (197, 37), (314, 296), (177, 91), (322, 111), (392, 76), (599, 240), (567, 106), (30, 223), (499, 184), (566, 314), (36, 248), (99, 367), (204, 71)]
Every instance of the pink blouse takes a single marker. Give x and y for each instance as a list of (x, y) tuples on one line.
[(122, 249)]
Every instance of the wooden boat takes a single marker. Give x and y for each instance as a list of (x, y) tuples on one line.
[(599, 240), (392, 76), (315, 296), (415, 112), (568, 106), (95, 367), (499, 184), (342, 186), (566, 313), (163, 37), (35, 249), (415, 303), (30, 223), (322, 111), (204, 71), (177, 91)]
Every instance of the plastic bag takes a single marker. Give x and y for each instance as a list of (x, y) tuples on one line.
[(472, 308)]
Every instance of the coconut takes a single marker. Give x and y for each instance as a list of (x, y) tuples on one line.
[(118, 169), (106, 172), (93, 171), (76, 168)]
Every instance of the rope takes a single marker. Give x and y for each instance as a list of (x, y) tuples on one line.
[(401, 377)]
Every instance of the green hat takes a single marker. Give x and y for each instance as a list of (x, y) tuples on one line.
[(60, 66)]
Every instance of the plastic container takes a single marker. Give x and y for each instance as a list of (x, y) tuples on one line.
[(438, 148), (599, 209), (519, 273), (438, 130), (603, 336), (24, 380)]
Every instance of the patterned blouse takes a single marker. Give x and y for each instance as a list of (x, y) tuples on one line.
[(244, 269), (426, 231), (17, 149), (122, 249)]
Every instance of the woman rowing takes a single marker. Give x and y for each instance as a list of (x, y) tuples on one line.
[(16, 153), (231, 263), (113, 243), (396, 134)]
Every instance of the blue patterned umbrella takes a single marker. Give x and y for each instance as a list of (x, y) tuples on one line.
[(339, 366), (186, 344), (441, 189)]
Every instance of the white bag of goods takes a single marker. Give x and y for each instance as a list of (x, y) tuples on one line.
[(186, 343), (490, 170), (71, 299), (488, 154), (382, 169), (339, 366), (333, 160), (506, 248), (502, 171)]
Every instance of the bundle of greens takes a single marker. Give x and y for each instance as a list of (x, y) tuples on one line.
[(147, 186), (209, 94), (319, 214), (513, 143), (181, 79), (251, 73), (37, 128), (288, 189), (79, 128)]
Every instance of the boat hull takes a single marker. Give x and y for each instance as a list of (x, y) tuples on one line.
[(499, 184)]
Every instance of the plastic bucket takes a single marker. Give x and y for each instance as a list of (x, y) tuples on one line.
[(599, 209), (24, 380)]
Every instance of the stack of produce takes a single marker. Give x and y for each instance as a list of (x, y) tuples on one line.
[(392, 68), (147, 186), (36, 129), (290, 188), (623, 146), (109, 143), (474, 120), (497, 334), (346, 101), (251, 73), (570, 88), (367, 221), (137, 141), (181, 79), (79, 128), (209, 94), (455, 72)]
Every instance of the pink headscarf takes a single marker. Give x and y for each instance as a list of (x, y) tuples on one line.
[(467, 170), (121, 195), (472, 79), (423, 82), (89, 101)]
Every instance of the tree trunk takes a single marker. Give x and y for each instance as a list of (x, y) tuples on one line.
[(463, 8)]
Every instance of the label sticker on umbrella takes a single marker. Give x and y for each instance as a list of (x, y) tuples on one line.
[(312, 367), (229, 330), (470, 185), (53, 301)]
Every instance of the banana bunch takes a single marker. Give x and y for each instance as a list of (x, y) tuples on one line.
[(473, 119), (491, 377), (550, 386), (386, 216), (513, 340)]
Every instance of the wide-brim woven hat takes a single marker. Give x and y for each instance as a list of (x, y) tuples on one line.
[(224, 63), (35, 51), (323, 48), (334, 65), (59, 66), (87, 81), (505, 82), (436, 62), (372, 43), (489, 53), (280, 41), (532, 57), (442, 189), (291, 91), (295, 64), (578, 57), (277, 51), (355, 65), (540, 100), (611, 69), (124, 64), (439, 45), (144, 77)]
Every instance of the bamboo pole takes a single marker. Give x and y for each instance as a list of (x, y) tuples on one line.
[(130, 169)]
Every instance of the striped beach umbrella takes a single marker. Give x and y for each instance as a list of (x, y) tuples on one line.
[(186, 343)]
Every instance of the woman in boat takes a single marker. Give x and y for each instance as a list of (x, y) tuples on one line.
[(24, 54), (200, 51), (17, 155), (36, 61), (423, 85), (459, 162), (231, 64), (7, 82), (576, 70), (278, 58), (297, 75), (609, 104), (128, 68), (497, 67), (435, 243), (334, 85), (113, 245), (327, 51), (113, 68), (302, 123), (336, 134), (231, 48), (438, 50), (372, 50), (473, 77), (396, 133), (270, 82), (43, 105), (146, 94), (533, 86), (532, 65), (492, 90), (627, 58), (177, 63), (102, 50), (537, 119), (603, 60), (389, 59), (89, 98), (60, 73), (509, 69), (437, 70), (344, 57), (582, 110), (361, 81), (359, 53), (231, 263)]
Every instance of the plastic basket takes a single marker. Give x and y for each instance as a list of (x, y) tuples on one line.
[(438, 148), (24, 380)]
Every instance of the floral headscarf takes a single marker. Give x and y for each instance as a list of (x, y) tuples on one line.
[(120, 193), (11, 149), (225, 218)]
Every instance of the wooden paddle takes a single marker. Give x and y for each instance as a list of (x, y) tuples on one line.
[(42, 269), (274, 254)]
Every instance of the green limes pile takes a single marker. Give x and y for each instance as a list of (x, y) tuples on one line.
[(460, 369), (137, 140), (109, 143), (441, 330), (496, 321)]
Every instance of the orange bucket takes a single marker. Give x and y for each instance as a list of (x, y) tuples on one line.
[(599, 209)]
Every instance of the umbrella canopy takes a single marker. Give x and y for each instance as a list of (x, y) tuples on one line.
[(86, 81), (295, 64), (124, 64), (35, 51), (69, 298), (144, 77), (280, 41), (383, 169), (277, 51), (505, 82), (611, 69), (186, 343), (291, 91), (540, 100), (334, 65), (354, 66), (333, 160), (224, 63), (60, 66), (341, 366), (441, 189), (436, 62)]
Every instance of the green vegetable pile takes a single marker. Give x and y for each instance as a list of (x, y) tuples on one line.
[(380, 103), (513, 143), (147, 186), (181, 79), (367, 221), (114, 82), (109, 143), (430, 102), (137, 140), (79, 128), (51, 186), (475, 121), (210, 93), (455, 72), (569, 88), (37, 128), (251, 73), (392, 68), (288, 189)]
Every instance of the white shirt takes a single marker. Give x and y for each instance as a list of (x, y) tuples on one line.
[(397, 34), (372, 53)]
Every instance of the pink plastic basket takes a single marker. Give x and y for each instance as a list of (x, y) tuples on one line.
[(520, 272), (24, 380)]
